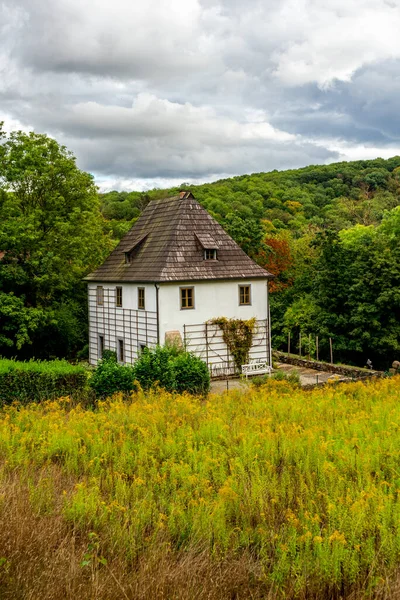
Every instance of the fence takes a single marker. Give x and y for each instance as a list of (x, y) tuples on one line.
[(206, 341)]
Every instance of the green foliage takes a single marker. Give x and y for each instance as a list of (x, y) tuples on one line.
[(168, 367), (172, 369), (238, 336), (34, 381), (156, 366), (52, 234), (191, 374), (110, 377), (293, 378)]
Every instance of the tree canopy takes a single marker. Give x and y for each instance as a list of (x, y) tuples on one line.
[(51, 234)]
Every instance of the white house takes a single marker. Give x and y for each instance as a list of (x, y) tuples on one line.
[(172, 273)]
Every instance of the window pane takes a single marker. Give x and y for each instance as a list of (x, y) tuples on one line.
[(187, 298), (100, 295), (210, 254), (121, 350), (101, 346), (119, 296), (244, 294), (141, 298)]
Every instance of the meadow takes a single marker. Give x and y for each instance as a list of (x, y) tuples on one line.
[(274, 493)]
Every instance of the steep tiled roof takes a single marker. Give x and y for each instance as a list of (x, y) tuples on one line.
[(166, 244)]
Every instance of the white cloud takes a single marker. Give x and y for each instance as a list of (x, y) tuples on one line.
[(348, 151), (333, 39), (197, 89)]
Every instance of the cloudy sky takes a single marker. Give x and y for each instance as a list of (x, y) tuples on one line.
[(152, 93)]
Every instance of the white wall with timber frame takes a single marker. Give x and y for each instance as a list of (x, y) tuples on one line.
[(109, 323)]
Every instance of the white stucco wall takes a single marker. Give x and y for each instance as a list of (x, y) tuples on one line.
[(212, 299)]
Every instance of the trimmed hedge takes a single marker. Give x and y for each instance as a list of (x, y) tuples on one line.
[(34, 381)]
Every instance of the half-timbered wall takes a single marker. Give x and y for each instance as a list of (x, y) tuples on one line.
[(137, 328)]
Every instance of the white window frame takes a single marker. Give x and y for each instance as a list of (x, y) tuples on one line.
[(214, 254), (141, 289)]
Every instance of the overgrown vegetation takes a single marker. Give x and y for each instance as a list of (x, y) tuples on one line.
[(274, 493), (293, 377), (35, 381), (238, 337)]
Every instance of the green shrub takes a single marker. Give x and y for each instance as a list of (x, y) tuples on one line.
[(34, 381), (259, 380), (156, 366), (293, 377), (110, 377), (172, 369), (191, 374)]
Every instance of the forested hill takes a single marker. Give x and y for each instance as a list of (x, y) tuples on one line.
[(330, 233), (337, 195)]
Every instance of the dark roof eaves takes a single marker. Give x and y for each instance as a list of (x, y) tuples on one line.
[(167, 281)]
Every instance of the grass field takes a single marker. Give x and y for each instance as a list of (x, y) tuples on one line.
[(271, 493)]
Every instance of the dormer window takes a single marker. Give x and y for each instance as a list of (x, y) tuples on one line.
[(210, 254), (130, 250)]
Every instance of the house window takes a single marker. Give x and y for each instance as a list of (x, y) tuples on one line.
[(127, 258), (100, 295), (101, 346), (118, 296), (244, 294), (210, 254), (187, 297), (140, 299), (120, 350)]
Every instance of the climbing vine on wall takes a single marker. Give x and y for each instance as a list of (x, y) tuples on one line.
[(238, 336)]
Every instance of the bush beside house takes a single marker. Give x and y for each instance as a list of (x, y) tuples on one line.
[(168, 366)]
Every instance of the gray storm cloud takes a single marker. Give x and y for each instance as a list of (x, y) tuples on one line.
[(189, 90)]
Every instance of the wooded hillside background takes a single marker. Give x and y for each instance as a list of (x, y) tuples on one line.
[(330, 234)]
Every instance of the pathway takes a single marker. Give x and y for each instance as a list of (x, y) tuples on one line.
[(307, 377)]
